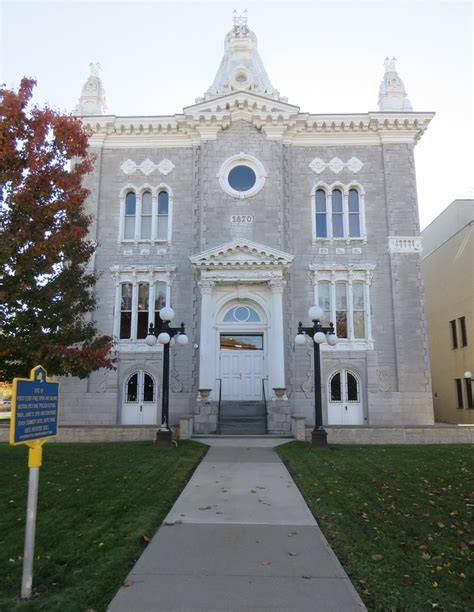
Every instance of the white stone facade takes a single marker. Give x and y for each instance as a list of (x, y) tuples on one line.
[(241, 212)]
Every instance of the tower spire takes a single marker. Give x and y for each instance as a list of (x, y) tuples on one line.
[(241, 67)]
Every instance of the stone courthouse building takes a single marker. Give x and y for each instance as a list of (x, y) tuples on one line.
[(241, 212)]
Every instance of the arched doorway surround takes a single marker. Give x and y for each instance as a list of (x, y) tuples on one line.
[(252, 273)]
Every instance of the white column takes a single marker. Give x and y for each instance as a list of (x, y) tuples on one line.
[(207, 356), (276, 353)]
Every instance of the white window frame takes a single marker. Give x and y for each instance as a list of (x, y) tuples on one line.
[(328, 189), (338, 273), (136, 275), (139, 191)]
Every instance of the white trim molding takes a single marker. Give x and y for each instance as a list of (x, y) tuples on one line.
[(136, 275), (405, 244), (241, 254), (139, 191), (242, 159), (349, 274), (344, 188)]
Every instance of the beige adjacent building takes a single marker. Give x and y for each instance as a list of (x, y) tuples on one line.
[(448, 268)]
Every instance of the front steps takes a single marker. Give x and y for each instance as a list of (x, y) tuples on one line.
[(242, 419)]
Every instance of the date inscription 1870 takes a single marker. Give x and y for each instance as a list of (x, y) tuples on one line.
[(241, 219)]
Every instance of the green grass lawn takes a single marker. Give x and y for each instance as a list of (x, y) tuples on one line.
[(398, 518), (98, 506)]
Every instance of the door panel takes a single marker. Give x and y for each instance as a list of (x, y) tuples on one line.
[(139, 407), (345, 403), (241, 373)]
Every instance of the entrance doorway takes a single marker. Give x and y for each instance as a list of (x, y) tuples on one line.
[(345, 401), (241, 366), (139, 406)]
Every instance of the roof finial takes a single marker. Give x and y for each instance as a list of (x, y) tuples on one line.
[(389, 64), (240, 23), (95, 69)]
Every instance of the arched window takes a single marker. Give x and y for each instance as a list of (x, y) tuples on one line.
[(163, 214), (140, 387), (130, 213), (321, 214), (242, 314), (338, 212), (146, 216), (354, 212)]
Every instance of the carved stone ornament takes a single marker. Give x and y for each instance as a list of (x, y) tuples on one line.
[(147, 166), (336, 165), (404, 244), (165, 166), (382, 382)]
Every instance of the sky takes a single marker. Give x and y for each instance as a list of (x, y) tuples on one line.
[(326, 57)]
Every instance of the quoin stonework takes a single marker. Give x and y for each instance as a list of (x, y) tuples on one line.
[(241, 212)]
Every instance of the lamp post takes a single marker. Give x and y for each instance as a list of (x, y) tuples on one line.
[(163, 334), (319, 334)]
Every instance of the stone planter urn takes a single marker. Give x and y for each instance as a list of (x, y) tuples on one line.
[(280, 392), (204, 395)]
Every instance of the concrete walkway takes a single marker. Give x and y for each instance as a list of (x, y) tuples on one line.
[(239, 537)]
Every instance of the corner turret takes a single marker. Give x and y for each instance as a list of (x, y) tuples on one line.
[(92, 100), (392, 94)]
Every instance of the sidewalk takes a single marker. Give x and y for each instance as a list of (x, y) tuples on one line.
[(239, 537)]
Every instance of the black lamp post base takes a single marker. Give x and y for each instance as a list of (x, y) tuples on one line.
[(164, 438), (319, 438)]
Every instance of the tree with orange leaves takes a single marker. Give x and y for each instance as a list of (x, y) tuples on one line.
[(46, 291)]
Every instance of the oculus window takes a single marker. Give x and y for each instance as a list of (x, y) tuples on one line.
[(242, 176)]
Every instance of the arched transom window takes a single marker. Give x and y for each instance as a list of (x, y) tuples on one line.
[(242, 314)]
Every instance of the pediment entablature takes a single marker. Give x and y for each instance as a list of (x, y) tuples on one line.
[(238, 100), (241, 254)]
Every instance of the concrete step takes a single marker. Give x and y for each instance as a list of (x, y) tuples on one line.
[(242, 431)]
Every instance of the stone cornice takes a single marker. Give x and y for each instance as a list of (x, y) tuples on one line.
[(277, 120)]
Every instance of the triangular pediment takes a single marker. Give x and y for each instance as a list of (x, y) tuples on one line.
[(241, 254), (240, 100)]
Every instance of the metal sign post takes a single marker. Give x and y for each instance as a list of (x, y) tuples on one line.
[(35, 406)]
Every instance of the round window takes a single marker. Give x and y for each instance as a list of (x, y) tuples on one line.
[(242, 178)]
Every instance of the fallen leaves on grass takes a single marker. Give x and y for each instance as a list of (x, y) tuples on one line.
[(127, 583), (377, 557)]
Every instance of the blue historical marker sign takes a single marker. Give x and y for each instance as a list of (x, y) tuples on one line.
[(35, 407)]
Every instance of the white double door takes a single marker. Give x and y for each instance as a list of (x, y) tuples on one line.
[(241, 374), (139, 406), (345, 401)]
